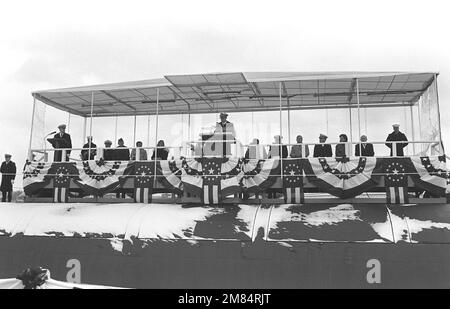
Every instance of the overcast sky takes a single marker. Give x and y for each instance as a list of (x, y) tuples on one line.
[(52, 44)]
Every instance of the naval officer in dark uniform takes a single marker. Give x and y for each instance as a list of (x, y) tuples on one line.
[(323, 150), (8, 170), (64, 142), (397, 136)]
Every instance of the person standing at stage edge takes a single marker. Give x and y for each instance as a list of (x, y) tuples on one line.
[(225, 132), (65, 142), (8, 170), (397, 136)]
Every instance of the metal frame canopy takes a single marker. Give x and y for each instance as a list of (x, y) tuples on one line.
[(241, 92)]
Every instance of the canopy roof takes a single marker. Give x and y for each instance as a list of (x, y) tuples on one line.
[(241, 92)]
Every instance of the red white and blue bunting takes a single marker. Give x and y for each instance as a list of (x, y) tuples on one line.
[(213, 179), (343, 178)]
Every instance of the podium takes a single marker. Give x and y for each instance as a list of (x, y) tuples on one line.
[(59, 143)]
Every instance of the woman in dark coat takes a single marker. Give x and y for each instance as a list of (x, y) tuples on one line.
[(161, 153), (8, 170)]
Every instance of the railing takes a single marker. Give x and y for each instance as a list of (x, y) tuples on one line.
[(198, 149)]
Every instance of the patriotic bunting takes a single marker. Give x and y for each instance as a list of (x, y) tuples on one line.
[(432, 174), (62, 173), (143, 181), (231, 171), (260, 174), (396, 181), (213, 179), (191, 177), (169, 174), (34, 177), (293, 181), (100, 177), (344, 177)]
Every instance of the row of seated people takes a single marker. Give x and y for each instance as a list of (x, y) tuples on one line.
[(121, 152), (256, 151)]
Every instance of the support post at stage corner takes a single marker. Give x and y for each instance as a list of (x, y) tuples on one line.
[(441, 146), (30, 154), (90, 127)]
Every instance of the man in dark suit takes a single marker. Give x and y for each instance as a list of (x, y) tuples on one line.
[(367, 148), (8, 170), (89, 150), (323, 150), (108, 152), (121, 153), (64, 142), (397, 136)]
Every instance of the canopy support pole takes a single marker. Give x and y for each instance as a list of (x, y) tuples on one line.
[(30, 155), (441, 146), (68, 123), (289, 121), (359, 119), (115, 130), (365, 122), (84, 129), (422, 146), (156, 134), (90, 128), (281, 120), (280, 149), (134, 130), (253, 129), (412, 129), (189, 127), (148, 130), (351, 124)]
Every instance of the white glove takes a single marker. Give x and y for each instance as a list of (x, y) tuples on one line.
[(12, 182)]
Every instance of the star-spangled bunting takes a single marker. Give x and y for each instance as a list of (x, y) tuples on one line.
[(431, 175), (293, 182), (396, 182), (211, 180), (344, 178), (62, 175), (143, 183)]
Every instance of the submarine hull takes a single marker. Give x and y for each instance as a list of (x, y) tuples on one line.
[(239, 246)]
